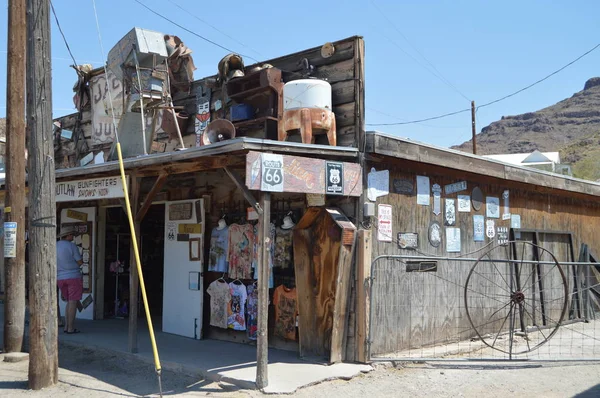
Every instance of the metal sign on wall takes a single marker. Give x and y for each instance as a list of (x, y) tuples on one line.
[(90, 189), (299, 174), (334, 178)]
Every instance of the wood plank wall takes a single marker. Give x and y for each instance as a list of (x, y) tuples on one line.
[(399, 324)]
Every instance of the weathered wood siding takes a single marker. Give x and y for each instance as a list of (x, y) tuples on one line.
[(344, 70), (423, 308)]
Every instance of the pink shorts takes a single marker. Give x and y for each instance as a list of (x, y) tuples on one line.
[(71, 289)]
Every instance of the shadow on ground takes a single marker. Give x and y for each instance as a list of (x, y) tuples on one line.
[(593, 392)]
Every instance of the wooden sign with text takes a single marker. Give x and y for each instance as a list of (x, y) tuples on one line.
[(303, 175)]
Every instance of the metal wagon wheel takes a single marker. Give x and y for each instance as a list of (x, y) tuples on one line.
[(517, 290)]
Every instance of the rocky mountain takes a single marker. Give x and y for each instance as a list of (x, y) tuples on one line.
[(571, 126)]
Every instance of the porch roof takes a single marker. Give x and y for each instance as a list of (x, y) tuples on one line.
[(206, 157)]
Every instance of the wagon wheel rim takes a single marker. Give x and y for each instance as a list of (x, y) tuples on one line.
[(518, 295)]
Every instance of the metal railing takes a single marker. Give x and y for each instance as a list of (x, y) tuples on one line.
[(487, 308)]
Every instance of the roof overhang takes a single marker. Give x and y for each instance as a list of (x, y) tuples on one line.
[(403, 148)]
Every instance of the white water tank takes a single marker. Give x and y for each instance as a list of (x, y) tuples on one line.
[(307, 93)]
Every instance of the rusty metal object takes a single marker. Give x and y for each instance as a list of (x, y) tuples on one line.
[(310, 122), (218, 130), (230, 66)]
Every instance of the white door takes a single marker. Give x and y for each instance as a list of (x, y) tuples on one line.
[(182, 282), (84, 219)]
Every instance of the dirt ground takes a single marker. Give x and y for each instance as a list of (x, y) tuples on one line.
[(91, 374)]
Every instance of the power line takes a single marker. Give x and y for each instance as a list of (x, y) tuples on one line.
[(62, 34), (438, 74), (404, 120), (420, 120), (494, 101), (192, 32), (541, 80), (214, 27)]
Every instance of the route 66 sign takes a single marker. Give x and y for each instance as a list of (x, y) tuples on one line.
[(490, 230), (272, 173), (171, 231), (334, 178)]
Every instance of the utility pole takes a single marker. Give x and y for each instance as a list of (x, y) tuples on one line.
[(14, 205), (473, 127), (43, 329)]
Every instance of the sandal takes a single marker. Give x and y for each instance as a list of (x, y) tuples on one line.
[(73, 332)]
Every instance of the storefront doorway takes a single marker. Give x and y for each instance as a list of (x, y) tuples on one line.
[(117, 264)]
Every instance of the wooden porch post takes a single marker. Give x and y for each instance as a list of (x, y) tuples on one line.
[(363, 275), (134, 281), (262, 345)]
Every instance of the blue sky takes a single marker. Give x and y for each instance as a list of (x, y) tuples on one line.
[(484, 49)]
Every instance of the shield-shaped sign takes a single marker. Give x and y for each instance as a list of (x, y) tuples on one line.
[(490, 230)]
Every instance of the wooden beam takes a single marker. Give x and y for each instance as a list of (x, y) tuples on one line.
[(134, 281), (242, 187), (158, 184), (262, 344), (363, 286), (342, 296), (100, 273)]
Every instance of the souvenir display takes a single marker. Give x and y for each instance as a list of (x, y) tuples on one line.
[(241, 245), (284, 249), (234, 295), (236, 319), (219, 248), (286, 309), (220, 296), (252, 311)]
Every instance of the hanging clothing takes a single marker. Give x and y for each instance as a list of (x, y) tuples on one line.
[(272, 232), (220, 296), (219, 250), (284, 249), (241, 241), (252, 311), (286, 310), (237, 307)]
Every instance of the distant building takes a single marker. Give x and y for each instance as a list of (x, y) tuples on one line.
[(548, 161)]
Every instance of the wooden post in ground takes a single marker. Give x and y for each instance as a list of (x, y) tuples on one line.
[(262, 344), (14, 263), (363, 288), (134, 279), (43, 328)]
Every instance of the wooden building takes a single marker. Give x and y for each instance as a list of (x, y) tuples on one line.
[(558, 213), (387, 186), (180, 195)]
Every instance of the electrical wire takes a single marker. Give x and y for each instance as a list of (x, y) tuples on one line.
[(214, 27), (420, 120), (62, 33), (438, 74), (404, 120), (541, 80), (192, 32), (494, 101)]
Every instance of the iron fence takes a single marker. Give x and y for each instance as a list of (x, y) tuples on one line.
[(514, 302)]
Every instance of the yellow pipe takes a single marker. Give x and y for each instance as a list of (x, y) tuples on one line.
[(138, 263)]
